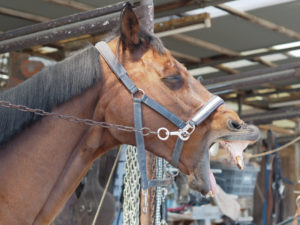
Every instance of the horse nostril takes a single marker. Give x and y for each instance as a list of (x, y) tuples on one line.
[(234, 125)]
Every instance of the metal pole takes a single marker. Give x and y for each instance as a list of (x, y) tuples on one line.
[(265, 118), (90, 26), (62, 21), (250, 79), (146, 17)]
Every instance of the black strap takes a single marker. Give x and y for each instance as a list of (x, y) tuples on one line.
[(164, 112), (177, 152), (139, 138), (201, 115), (121, 73), (116, 66)]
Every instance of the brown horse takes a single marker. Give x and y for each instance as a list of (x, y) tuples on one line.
[(42, 160)]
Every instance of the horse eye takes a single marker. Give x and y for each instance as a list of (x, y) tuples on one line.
[(172, 78), (173, 81)]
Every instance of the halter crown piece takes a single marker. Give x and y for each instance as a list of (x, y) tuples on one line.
[(185, 129)]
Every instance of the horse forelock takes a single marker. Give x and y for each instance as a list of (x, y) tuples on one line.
[(52, 86)]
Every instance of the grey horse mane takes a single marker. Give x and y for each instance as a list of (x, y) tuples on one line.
[(52, 86)]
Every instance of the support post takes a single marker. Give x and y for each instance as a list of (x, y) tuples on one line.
[(297, 154), (145, 14)]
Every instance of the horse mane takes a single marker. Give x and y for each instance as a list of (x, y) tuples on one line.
[(50, 87)]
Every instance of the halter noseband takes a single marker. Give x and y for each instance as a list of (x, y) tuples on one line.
[(185, 128)]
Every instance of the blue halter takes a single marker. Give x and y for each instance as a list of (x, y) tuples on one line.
[(185, 129)]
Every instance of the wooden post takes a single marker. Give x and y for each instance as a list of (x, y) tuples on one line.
[(297, 155)]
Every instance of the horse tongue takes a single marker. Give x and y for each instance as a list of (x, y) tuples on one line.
[(236, 148), (212, 181)]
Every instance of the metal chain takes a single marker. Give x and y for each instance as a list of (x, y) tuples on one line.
[(159, 175), (131, 205), (73, 119)]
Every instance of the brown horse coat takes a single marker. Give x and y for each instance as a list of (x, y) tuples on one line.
[(42, 160)]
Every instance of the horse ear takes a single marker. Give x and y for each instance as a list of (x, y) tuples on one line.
[(130, 27)]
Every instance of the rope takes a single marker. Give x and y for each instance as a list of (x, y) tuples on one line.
[(106, 187), (250, 156)]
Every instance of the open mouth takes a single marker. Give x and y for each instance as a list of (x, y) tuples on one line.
[(235, 150), (202, 178)]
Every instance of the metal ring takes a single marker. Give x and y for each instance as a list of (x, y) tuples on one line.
[(170, 169), (161, 132), (190, 127), (146, 131), (139, 91)]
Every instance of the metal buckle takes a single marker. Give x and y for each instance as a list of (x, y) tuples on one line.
[(184, 133)]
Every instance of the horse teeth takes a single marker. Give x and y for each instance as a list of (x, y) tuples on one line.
[(209, 194), (240, 162)]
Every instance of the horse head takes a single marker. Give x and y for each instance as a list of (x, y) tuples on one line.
[(153, 69)]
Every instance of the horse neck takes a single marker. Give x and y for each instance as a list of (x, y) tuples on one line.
[(31, 163)]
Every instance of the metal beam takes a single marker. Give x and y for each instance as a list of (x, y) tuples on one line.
[(179, 6), (264, 62), (182, 24), (219, 59), (73, 4), (253, 78), (277, 129), (77, 25), (261, 22), (63, 21), (23, 15), (90, 26), (267, 94), (271, 115), (145, 13), (205, 44), (184, 56), (227, 69)]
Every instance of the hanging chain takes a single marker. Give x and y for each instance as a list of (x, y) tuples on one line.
[(159, 175), (131, 205), (73, 119)]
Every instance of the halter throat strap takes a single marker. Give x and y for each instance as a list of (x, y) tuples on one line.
[(185, 128)]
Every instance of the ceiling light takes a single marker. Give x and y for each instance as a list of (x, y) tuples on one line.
[(3, 76), (202, 70), (283, 104), (295, 53), (285, 123), (244, 5), (255, 51), (286, 45), (274, 57), (293, 86), (46, 50), (266, 90), (239, 63), (255, 98)]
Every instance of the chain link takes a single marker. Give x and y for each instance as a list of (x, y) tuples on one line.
[(131, 205), (73, 119)]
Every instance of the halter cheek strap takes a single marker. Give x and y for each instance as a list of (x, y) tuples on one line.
[(185, 128)]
